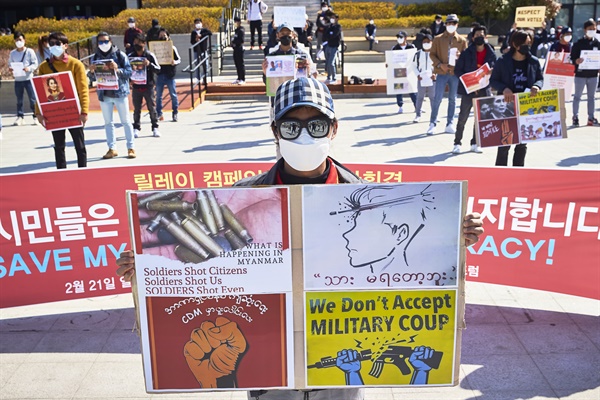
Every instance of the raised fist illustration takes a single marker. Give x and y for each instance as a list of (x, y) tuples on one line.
[(214, 352)]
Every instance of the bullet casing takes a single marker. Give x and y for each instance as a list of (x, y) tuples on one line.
[(206, 241), (184, 237), (235, 224), (234, 240), (157, 196), (170, 205), (206, 212), (187, 256), (217, 213), (196, 220)]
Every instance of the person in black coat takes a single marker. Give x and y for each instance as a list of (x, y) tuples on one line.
[(474, 57), (437, 27), (238, 51), (515, 72)]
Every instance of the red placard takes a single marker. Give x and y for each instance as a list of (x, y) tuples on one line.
[(58, 101)]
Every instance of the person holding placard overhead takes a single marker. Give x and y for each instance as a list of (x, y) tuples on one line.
[(166, 77), (445, 51), (584, 76)]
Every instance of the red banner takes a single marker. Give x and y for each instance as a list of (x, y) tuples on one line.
[(60, 234)]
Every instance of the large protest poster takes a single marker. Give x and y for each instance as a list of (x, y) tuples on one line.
[(407, 219), (530, 17), (540, 233), (559, 73), (401, 76), (213, 288), (138, 70), (106, 78), (279, 70), (381, 338), (540, 117), (57, 98), (162, 50), (293, 16), (476, 80)]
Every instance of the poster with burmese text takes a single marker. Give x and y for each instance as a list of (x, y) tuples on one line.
[(213, 285)]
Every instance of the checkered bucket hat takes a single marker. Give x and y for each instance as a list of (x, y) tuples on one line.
[(303, 92)]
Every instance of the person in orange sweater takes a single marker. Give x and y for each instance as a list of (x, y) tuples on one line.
[(62, 62)]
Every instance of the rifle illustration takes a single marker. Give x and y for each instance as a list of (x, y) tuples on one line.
[(327, 362), (398, 355)]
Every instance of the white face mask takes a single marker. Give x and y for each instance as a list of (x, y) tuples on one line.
[(590, 34), (332, 20), (371, 22), (426, 46), (305, 153), (19, 44), (400, 40), (198, 26), (132, 24), (324, 9), (105, 47), (567, 38), (437, 21), (451, 28), (57, 50)]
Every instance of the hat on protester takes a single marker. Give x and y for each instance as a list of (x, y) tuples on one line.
[(438, 16), (237, 19), (428, 36), (566, 30), (154, 22), (401, 34), (451, 18), (131, 19), (303, 92), (284, 26)]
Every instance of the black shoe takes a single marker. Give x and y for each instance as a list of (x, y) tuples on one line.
[(174, 117), (592, 122), (575, 121)]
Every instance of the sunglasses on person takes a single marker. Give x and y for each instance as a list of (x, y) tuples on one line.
[(290, 128), (54, 43), (103, 41)]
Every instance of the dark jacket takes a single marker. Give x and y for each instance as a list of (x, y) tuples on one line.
[(269, 177), (467, 62), (152, 33), (398, 47), (333, 35), (170, 71), (502, 75), (303, 34), (557, 47), (238, 37), (202, 47), (123, 73), (151, 69), (584, 44), (442, 28), (129, 35)]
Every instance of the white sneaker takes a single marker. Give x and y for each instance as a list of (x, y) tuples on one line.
[(136, 133), (20, 121), (476, 149), (236, 82), (450, 129), (456, 149), (155, 132), (35, 121), (400, 110), (417, 119), (431, 129), (333, 81), (241, 82)]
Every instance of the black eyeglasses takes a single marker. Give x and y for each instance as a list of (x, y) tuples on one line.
[(290, 128), (103, 41), (54, 42)]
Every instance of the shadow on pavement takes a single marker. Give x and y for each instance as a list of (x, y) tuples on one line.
[(388, 141), (229, 146), (572, 161)]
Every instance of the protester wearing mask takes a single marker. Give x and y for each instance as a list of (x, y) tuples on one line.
[(62, 62), (304, 126), (130, 34), (437, 27), (587, 78), (152, 33), (43, 51), (402, 44), (423, 68), (443, 45), (27, 60), (116, 61), (322, 23), (256, 9), (473, 58), (332, 38), (305, 34), (166, 77), (371, 33), (238, 51), (564, 42), (516, 72), (144, 92)]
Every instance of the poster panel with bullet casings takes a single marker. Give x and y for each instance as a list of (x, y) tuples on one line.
[(401, 76), (213, 284), (57, 99), (293, 16), (530, 17)]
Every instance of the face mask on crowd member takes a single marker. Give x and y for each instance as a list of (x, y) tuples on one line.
[(198, 24), (104, 44), (590, 33), (479, 35), (57, 48), (131, 22), (426, 45), (451, 23), (20, 42), (371, 22)]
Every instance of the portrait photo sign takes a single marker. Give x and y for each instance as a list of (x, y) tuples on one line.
[(58, 101)]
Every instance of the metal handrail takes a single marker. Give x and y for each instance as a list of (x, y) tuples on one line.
[(342, 62), (196, 61), (89, 43)]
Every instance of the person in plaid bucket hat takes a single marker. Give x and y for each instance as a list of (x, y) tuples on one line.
[(304, 126)]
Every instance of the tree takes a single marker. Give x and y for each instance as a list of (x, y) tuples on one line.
[(490, 11)]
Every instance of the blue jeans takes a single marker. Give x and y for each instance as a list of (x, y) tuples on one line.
[(161, 82), (330, 53), (21, 86), (440, 86), (400, 102), (107, 107)]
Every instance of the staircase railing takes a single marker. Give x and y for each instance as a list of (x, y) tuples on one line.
[(200, 66)]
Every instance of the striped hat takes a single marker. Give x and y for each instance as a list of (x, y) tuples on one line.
[(303, 92)]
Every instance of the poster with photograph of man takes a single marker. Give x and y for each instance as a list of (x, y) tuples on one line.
[(382, 236), (400, 73)]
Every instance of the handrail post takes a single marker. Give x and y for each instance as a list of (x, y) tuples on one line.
[(210, 57), (191, 57), (343, 66)]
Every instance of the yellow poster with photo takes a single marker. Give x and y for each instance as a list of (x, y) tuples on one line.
[(546, 101), (380, 338)]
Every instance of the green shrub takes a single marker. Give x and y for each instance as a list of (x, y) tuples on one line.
[(31, 39), (364, 11), (417, 21)]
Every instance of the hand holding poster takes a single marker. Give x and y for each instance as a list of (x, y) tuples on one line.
[(163, 51), (279, 70), (401, 78), (58, 101), (106, 78), (530, 17), (138, 70), (476, 80), (591, 59)]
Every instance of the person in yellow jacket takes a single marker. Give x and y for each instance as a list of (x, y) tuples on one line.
[(62, 62)]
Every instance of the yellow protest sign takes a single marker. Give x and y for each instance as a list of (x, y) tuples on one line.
[(530, 17)]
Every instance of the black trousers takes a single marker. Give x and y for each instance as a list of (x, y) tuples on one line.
[(518, 156), (78, 142), (466, 104), (137, 96), (256, 26), (238, 59)]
